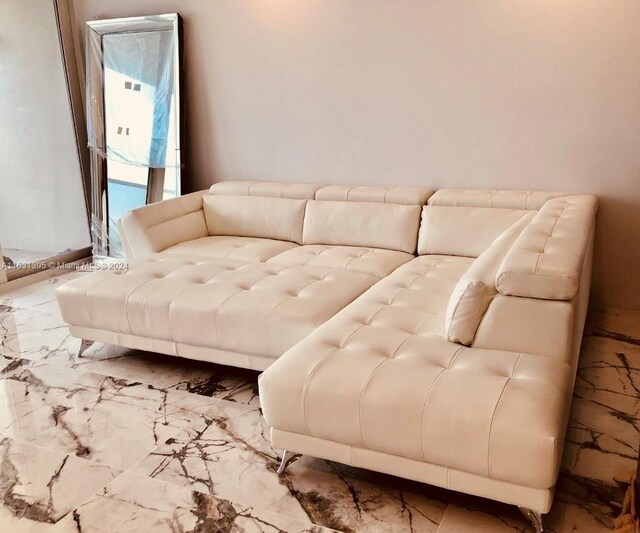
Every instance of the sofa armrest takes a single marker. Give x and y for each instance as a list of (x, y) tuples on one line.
[(154, 227), (546, 260)]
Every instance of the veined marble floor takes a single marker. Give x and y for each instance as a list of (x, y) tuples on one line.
[(122, 441)]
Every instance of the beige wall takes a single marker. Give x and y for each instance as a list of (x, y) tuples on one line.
[(42, 207), (523, 94)]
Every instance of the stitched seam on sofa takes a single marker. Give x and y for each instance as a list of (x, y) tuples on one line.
[(416, 278), (478, 318), (546, 242), (315, 368), (429, 318), (266, 333), (266, 324), (217, 311), (426, 402), (482, 320), (173, 299), (349, 261), (126, 303), (495, 410), (456, 309), (572, 279), (405, 340), (569, 277), (364, 388)]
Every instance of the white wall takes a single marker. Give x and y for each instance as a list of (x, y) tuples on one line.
[(41, 198), (522, 94)]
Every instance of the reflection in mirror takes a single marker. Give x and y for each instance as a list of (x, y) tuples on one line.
[(133, 120)]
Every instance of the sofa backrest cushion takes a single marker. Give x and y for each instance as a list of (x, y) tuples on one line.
[(364, 193), (376, 225), (272, 189), (546, 260), (464, 231), (474, 291), (255, 216)]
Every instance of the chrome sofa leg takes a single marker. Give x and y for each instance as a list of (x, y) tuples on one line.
[(84, 345), (287, 457), (535, 519)]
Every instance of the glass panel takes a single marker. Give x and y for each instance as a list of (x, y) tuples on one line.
[(42, 204)]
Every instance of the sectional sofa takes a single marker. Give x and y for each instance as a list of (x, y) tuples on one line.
[(432, 335)]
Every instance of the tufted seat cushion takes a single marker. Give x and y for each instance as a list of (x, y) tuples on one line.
[(227, 304), (373, 261), (246, 248), (400, 388)]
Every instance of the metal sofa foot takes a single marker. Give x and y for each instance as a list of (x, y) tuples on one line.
[(535, 519), (84, 345), (287, 458)]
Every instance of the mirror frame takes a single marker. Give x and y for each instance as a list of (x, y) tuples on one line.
[(102, 237)]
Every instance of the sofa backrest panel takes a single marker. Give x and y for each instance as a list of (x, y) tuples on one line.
[(377, 225), (362, 193), (464, 231), (298, 191), (492, 198), (255, 216)]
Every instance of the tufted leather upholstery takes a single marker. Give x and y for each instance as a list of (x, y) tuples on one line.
[(461, 408), (212, 303), (269, 189), (247, 248), (392, 195), (353, 329), (373, 261), (547, 258), (492, 198)]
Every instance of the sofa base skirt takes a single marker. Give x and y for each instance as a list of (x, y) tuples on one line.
[(188, 351), (538, 500)]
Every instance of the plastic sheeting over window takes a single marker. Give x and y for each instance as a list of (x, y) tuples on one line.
[(132, 106), (133, 120)]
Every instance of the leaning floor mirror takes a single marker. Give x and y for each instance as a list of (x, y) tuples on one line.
[(133, 120)]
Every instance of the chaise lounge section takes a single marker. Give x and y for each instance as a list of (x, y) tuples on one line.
[(433, 336), (241, 274)]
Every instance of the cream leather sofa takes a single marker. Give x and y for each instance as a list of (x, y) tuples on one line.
[(430, 335)]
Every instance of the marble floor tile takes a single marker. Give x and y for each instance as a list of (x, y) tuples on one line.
[(618, 324), (101, 418), (604, 428), (38, 293), (38, 487), (38, 333), (469, 515), (134, 503), (171, 373), (228, 454), (475, 515), (196, 453)]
